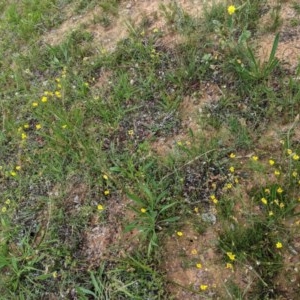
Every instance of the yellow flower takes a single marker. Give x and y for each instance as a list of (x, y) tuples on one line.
[(18, 168), (229, 266), (196, 210), (198, 266), (278, 245), (38, 126), (44, 99), (24, 136), (26, 126), (155, 30), (236, 180), (289, 151), (143, 210), (203, 287), (194, 252), (64, 126), (279, 190), (267, 191), (58, 94), (271, 162), (54, 274), (281, 205), (231, 9), (105, 177), (13, 173), (106, 192), (100, 207), (179, 233), (295, 157), (58, 86), (294, 174), (4, 209), (276, 201), (179, 143), (228, 186), (264, 201), (231, 255), (130, 132), (57, 80), (7, 201), (271, 214), (35, 104), (232, 155), (254, 158), (214, 199), (277, 172), (231, 169)]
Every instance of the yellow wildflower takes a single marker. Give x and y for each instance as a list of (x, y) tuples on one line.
[(143, 210), (13, 173), (279, 190), (106, 192), (24, 136), (198, 266), (7, 201), (232, 155), (194, 252), (228, 186), (26, 126), (58, 86), (271, 162), (278, 245), (231, 9), (294, 174), (295, 157), (4, 209), (203, 287), (58, 94), (229, 266), (179, 233), (196, 210), (100, 207), (35, 104), (271, 213), (231, 169), (18, 168), (264, 201), (281, 205), (38, 126), (231, 255), (289, 151), (267, 191), (254, 158), (214, 199), (44, 99), (54, 274), (277, 172), (155, 30), (130, 132), (64, 126), (105, 177)]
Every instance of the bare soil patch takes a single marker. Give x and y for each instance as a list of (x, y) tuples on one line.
[(288, 50)]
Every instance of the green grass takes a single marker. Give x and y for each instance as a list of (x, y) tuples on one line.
[(78, 130)]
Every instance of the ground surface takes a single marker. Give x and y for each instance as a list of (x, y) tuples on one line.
[(185, 148)]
